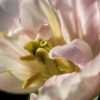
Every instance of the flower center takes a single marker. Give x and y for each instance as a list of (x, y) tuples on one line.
[(39, 50)]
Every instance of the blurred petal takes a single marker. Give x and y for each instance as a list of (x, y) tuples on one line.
[(45, 32), (32, 16), (11, 84), (77, 51), (9, 11), (8, 46)]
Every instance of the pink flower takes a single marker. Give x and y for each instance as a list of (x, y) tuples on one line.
[(79, 19)]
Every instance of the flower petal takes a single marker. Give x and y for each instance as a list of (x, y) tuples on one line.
[(32, 17), (77, 51), (89, 16), (11, 84), (81, 18), (68, 11), (65, 33), (48, 10), (9, 11)]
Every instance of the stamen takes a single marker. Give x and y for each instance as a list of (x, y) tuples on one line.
[(27, 58), (51, 67), (39, 49), (66, 66), (41, 54), (38, 77), (43, 43), (31, 46)]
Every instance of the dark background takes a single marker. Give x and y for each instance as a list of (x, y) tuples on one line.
[(7, 96)]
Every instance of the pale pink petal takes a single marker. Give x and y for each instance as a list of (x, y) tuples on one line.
[(69, 14), (45, 32), (77, 51), (81, 18), (32, 16), (89, 17), (9, 11), (56, 80), (89, 84), (76, 86), (64, 31)]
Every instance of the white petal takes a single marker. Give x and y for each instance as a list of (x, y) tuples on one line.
[(11, 84)]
